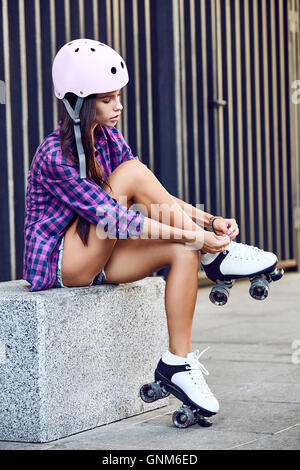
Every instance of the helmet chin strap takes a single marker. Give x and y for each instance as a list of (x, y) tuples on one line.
[(74, 114)]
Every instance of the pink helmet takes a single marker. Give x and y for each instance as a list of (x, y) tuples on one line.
[(84, 67)]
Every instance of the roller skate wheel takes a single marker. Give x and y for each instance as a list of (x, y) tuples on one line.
[(259, 289), (277, 274), (150, 392), (218, 297), (183, 418)]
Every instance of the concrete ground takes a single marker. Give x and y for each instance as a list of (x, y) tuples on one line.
[(254, 365)]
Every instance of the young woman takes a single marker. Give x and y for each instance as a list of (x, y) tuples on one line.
[(81, 227)]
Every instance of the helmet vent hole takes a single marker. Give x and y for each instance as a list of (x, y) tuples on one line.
[(101, 44), (92, 49), (113, 70), (70, 43), (76, 50), (122, 65)]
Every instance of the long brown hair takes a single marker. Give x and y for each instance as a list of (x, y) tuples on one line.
[(67, 140)]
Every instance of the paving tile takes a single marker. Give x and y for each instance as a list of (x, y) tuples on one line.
[(251, 373)]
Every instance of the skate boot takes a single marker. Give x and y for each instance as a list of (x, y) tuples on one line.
[(183, 378), (236, 262)]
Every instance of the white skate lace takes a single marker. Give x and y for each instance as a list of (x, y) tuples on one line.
[(241, 250), (197, 370)]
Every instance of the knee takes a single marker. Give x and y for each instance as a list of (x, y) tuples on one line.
[(185, 254), (129, 174), (125, 179), (135, 171)]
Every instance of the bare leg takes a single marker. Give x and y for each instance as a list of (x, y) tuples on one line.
[(135, 181), (129, 260), (149, 192), (135, 259)]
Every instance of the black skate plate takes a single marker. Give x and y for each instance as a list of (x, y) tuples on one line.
[(178, 393), (228, 277)]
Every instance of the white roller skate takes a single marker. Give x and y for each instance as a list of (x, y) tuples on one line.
[(239, 261), (183, 378)]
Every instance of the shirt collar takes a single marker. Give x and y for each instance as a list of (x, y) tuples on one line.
[(99, 132)]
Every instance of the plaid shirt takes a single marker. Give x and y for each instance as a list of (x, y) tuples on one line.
[(56, 194)]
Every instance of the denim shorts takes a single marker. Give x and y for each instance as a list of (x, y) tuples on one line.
[(58, 282)]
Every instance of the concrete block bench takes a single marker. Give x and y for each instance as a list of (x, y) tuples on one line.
[(73, 359)]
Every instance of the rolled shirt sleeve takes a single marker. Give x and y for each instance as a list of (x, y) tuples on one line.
[(126, 152), (89, 200)]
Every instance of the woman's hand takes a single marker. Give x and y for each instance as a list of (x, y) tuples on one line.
[(226, 227), (207, 242)]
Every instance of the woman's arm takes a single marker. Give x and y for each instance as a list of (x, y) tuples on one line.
[(88, 199), (197, 215), (222, 226)]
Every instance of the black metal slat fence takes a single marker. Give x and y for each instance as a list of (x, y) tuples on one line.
[(183, 56)]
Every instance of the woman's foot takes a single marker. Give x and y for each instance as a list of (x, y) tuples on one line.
[(237, 261), (185, 377)]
